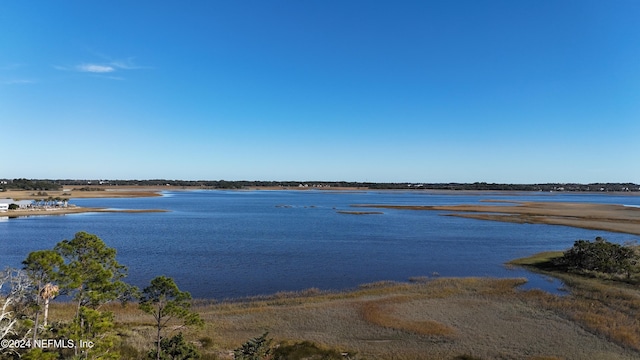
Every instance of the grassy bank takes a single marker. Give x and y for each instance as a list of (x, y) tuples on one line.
[(540, 261)]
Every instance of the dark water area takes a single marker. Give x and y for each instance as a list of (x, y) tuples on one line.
[(223, 244)]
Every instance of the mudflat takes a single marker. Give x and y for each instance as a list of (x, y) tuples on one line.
[(616, 218)]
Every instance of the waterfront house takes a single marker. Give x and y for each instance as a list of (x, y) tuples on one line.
[(4, 204), (24, 204)]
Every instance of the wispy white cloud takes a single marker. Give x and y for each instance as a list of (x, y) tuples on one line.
[(95, 68), (102, 68)]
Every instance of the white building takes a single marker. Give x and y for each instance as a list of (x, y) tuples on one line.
[(4, 204), (24, 204)]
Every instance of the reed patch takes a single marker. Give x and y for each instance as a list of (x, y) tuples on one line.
[(381, 313)]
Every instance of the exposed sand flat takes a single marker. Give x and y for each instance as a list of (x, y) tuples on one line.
[(616, 218)]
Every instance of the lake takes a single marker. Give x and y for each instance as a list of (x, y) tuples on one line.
[(224, 244)]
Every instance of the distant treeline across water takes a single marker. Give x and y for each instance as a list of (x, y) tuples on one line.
[(49, 184)]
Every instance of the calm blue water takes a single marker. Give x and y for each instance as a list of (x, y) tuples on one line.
[(220, 244)]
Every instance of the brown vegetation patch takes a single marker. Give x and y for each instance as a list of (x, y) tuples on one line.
[(98, 192), (616, 218), (605, 308), (381, 313), (443, 318), (604, 304)]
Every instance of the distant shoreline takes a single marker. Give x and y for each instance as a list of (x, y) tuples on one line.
[(133, 191), (616, 218), (104, 192)]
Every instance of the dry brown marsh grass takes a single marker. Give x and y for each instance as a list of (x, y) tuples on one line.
[(615, 218), (443, 318), (602, 305), (608, 309), (381, 313)]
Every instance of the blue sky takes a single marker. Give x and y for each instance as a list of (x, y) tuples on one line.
[(418, 91)]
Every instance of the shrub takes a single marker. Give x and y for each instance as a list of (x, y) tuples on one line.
[(258, 348), (599, 256), (175, 348)]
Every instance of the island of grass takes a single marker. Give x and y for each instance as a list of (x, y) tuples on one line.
[(598, 259)]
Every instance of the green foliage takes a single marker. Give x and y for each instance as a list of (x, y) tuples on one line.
[(175, 348), (26, 184), (600, 256), (88, 188), (164, 301), (96, 327), (90, 272), (258, 348), (39, 354), (92, 276), (94, 323), (163, 298), (42, 268)]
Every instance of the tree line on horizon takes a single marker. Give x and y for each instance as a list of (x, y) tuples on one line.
[(50, 184)]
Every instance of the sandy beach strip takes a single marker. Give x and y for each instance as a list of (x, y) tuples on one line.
[(615, 218)]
